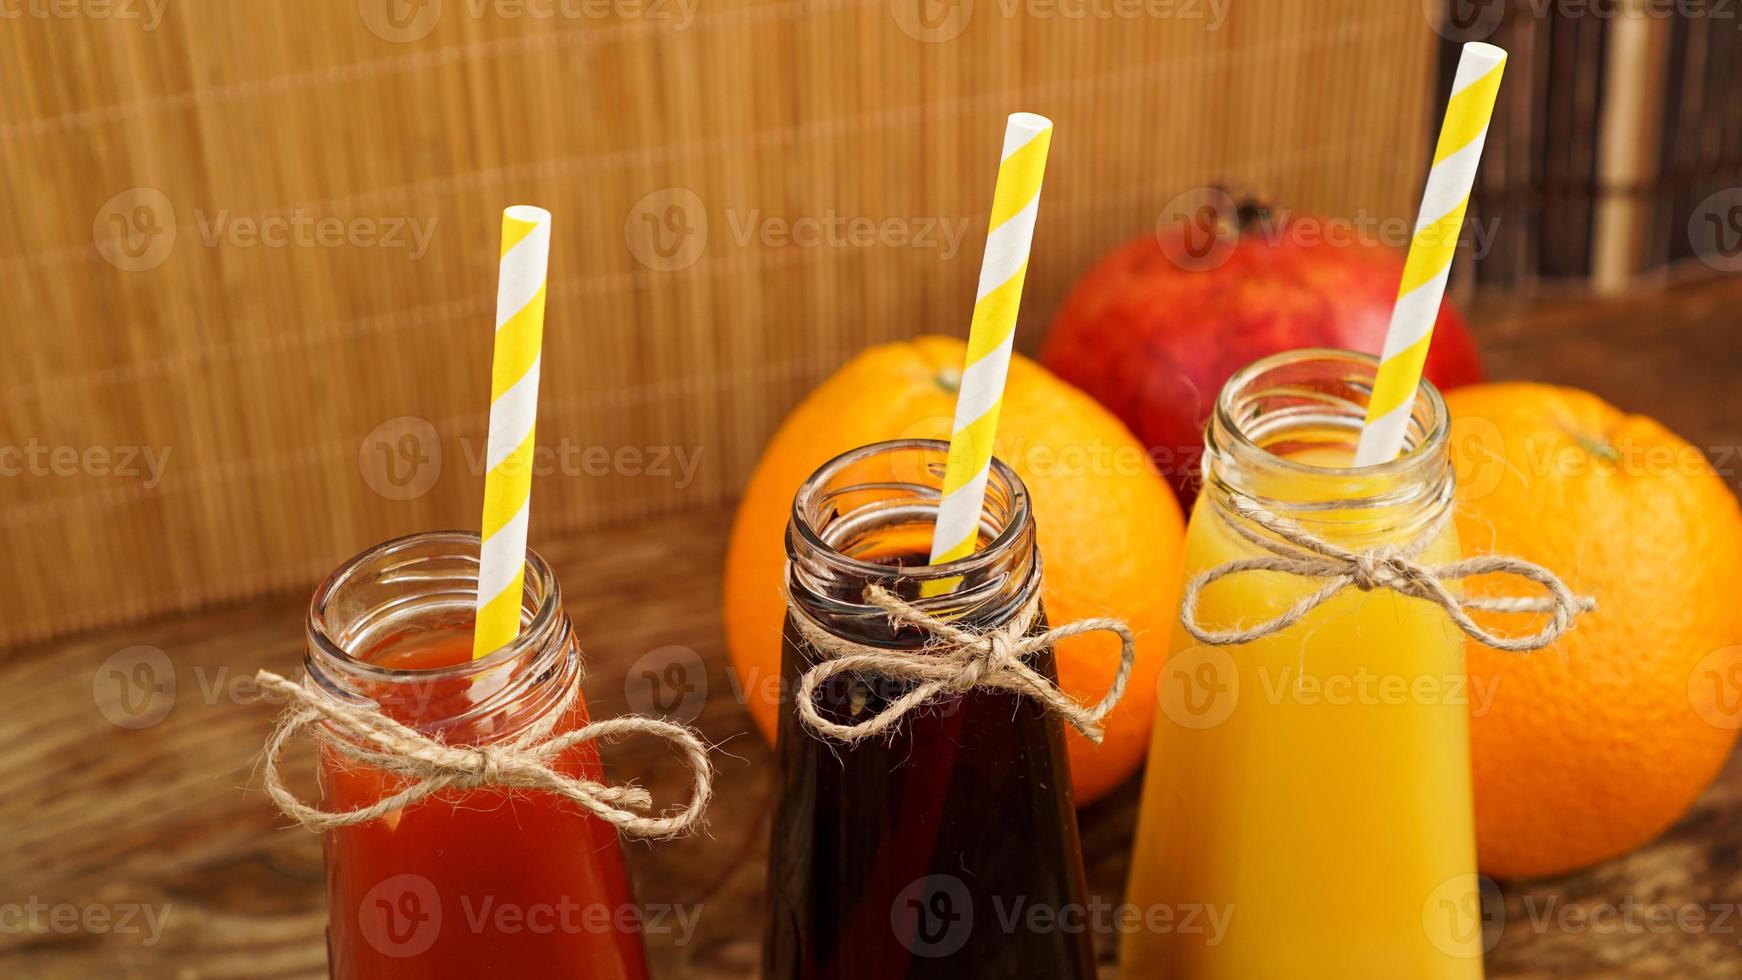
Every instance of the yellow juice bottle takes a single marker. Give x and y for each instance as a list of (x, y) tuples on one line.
[(1306, 807)]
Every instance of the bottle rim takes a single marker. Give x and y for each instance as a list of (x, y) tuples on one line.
[(401, 554), (1425, 438), (1015, 525)]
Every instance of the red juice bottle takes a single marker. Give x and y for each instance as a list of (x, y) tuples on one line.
[(948, 847), (475, 882)]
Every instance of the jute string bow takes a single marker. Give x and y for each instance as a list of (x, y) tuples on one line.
[(955, 661), (1292, 550), (363, 734)]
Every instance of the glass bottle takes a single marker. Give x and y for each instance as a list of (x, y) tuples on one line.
[(1307, 808), (465, 883), (949, 848)]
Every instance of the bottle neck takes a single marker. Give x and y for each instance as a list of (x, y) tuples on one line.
[(1284, 435), (866, 519), (392, 627)]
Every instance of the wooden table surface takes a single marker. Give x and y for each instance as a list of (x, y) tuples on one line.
[(164, 826)]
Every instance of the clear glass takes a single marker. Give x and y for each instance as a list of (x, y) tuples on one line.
[(1307, 799), (893, 857), (465, 883)]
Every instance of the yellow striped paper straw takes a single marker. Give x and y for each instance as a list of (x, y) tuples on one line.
[(520, 293), (1015, 202), (1443, 204)]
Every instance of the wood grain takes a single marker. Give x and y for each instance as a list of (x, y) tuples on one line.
[(680, 155), (169, 816)]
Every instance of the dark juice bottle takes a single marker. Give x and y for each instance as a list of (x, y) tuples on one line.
[(947, 848), (469, 882)]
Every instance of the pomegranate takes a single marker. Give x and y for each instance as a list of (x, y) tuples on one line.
[(1155, 328)]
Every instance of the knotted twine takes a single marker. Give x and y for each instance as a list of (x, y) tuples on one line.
[(1292, 550), (362, 733), (955, 660)]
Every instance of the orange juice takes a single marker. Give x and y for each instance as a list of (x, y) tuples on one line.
[(1311, 786)]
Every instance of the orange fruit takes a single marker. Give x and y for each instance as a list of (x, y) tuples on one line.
[(1108, 528), (1591, 747)]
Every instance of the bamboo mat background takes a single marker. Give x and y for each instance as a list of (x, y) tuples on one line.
[(319, 394)]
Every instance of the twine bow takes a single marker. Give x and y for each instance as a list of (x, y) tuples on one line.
[(365, 735), (1294, 551), (956, 661)]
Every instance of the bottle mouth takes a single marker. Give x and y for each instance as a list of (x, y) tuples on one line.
[(1285, 429), (1324, 388), (420, 582), (899, 483), (867, 516)]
